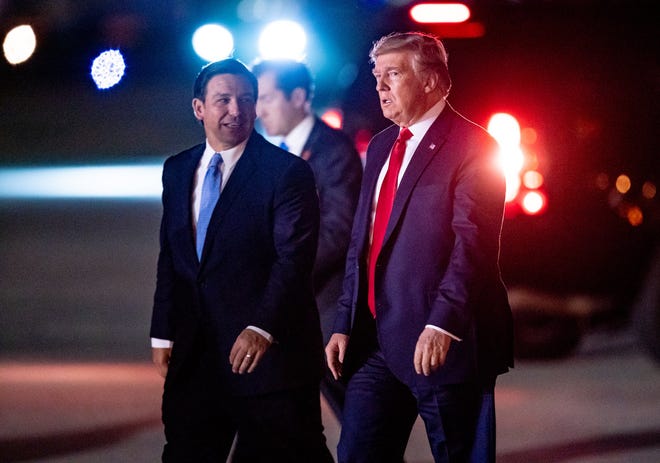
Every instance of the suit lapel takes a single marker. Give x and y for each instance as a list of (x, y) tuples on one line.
[(427, 149), (235, 185), (183, 197), (377, 155)]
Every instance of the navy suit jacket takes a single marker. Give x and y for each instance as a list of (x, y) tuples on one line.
[(338, 172), (439, 260), (255, 269)]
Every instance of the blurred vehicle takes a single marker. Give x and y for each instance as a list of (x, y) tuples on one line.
[(572, 270)]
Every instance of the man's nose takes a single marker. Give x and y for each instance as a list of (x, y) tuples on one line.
[(381, 84), (234, 108)]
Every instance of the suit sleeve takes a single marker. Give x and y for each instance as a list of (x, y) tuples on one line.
[(295, 236), (161, 320), (338, 180), (476, 223)]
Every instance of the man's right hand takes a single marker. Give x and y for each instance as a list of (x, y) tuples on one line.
[(161, 358), (334, 353)]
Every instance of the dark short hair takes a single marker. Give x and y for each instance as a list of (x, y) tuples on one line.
[(427, 51), (225, 66), (289, 75)]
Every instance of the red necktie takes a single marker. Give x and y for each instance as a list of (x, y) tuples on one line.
[(384, 209)]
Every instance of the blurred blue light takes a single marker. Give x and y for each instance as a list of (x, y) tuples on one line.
[(283, 39), (213, 42), (119, 181), (108, 69)]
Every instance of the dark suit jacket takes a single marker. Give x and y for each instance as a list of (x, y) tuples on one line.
[(255, 269), (338, 171), (439, 260)]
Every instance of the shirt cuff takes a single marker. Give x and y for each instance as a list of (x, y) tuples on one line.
[(433, 327), (265, 334), (161, 343)]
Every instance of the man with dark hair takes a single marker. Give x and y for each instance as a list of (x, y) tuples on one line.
[(423, 324), (284, 110), (235, 330)]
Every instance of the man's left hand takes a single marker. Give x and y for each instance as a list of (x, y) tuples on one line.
[(431, 351), (247, 350)]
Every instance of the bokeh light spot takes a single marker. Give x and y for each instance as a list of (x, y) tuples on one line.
[(649, 190), (19, 44), (532, 179), (213, 42), (283, 40), (623, 184), (108, 69)]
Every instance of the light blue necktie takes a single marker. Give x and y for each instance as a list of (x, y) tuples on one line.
[(284, 146), (210, 195)]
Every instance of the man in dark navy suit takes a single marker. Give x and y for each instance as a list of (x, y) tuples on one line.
[(284, 110), (423, 324), (235, 329)]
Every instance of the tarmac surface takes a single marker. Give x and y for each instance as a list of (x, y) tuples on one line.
[(600, 405), (76, 384)]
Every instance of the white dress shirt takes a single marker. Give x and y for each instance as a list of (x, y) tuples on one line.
[(295, 140)]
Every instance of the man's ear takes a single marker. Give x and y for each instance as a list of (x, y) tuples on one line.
[(430, 82), (298, 97), (198, 109)]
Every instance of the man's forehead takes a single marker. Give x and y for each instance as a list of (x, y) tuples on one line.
[(391, 60), (229, 82)]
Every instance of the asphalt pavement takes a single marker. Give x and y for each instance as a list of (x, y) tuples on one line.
[(600, 405)]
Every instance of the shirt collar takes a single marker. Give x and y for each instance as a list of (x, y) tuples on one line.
[(422, 126), (298, 136), (229, 157)]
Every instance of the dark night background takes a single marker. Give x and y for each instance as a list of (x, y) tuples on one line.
[(583, 73), (77, 275)]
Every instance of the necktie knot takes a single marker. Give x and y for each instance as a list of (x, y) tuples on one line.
[(216, 160), (404, 135), (284, 146)]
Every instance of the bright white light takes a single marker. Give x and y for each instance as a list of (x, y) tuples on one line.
[(283, 40), (440, 13), (512, 186), (128, 182), (108, 69), (19, 44), (505, 129), (213, 42), (533, 202)]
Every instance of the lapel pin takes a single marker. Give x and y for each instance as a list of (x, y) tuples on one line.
[(432, 146)]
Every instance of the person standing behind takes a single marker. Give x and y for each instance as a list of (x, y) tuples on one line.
[(235, 330), (424, 324), (284, 110)]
